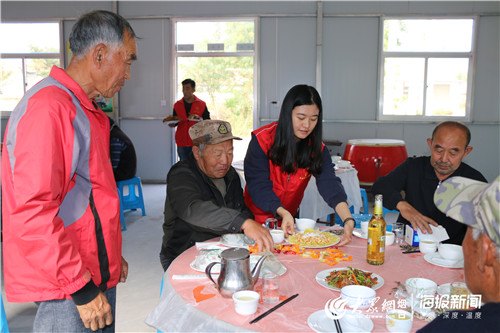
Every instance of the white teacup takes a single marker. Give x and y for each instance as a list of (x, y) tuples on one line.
[(246, 302), (398, 320), (389, 238), (277, 235), (427, 246)]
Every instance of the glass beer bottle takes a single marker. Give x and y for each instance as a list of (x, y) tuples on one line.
[(375, 254)]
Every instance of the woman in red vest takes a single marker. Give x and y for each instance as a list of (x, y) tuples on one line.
[(281, 158)]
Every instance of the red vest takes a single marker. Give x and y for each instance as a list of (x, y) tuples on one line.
[(182, 138), (288, 187)]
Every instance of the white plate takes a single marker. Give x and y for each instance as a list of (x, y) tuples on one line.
[(236, 240), (321, 323), (321, 276), (358, 233), (436, 259), (172, 122), (253, 261), (194, 119), (444, 289)]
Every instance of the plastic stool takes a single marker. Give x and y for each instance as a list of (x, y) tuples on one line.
[(4, 328), (364, 196), (133, 199), (122, 217)]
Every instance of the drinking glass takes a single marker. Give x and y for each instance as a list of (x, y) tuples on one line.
[(270, 288), (398, 229)]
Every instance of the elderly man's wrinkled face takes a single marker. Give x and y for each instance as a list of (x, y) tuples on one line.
[(215, 160), (448, 148)]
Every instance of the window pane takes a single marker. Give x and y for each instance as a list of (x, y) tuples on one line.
[(403, 86), (225, 84), (37, 69), (11, 83), (29, 38), (196, 36), (447, 87), (436, 35)]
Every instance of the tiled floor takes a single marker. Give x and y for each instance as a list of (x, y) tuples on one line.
[(140, 294)]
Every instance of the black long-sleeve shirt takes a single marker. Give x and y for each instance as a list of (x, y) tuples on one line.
[(417, 178)]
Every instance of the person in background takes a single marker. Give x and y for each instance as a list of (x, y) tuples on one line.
[(188, 110), (122, 153), (281, 158), (418, 178), (204, 195), (477, 206), (61, 211)]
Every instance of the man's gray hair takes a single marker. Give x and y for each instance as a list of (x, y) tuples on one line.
[(202, 147), (476, 233), (98, 27)]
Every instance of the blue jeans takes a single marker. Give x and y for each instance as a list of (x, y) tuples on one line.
[(61, 315), (184, 152)]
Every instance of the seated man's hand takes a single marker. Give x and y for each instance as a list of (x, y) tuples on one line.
[(258, 233), (96, 314), (416, 219)]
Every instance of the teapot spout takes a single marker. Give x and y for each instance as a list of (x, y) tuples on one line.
[(256, 269)]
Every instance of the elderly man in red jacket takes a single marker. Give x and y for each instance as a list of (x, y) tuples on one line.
[(61, 211)]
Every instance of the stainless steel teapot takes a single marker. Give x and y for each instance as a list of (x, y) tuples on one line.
[(235, 272)]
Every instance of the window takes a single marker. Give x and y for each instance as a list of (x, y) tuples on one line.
[(28, 52), (426, 67), (219, 55)]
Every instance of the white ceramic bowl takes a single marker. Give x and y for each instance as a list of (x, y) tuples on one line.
[(277, 235), (419, 287), (450, 251), (361, 295), (246, 302), (389, 238), (303, 224), (427, 246)]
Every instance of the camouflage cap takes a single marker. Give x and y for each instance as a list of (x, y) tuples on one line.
[(471, 202), (211, 132)]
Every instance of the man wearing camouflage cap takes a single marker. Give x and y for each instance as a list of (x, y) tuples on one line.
[(204, 195), (477, 205)]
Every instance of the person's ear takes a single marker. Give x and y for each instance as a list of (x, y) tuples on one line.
[(98, 54), (487, 251), (429, 142), (468, 149), (196, 153)]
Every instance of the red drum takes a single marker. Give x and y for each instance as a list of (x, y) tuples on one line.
[(374, 158)]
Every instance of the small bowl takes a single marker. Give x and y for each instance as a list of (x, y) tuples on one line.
[(419, 287), (246, 302), (427, 246), (357, 295), (389, 238), (451, 251), (303, 224), (277, 235)]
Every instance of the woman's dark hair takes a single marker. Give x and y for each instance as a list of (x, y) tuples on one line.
[(306, 153)]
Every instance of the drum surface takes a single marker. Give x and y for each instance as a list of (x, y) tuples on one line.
[(374, 158)]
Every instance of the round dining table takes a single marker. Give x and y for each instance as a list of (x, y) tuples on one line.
[(193, 304)]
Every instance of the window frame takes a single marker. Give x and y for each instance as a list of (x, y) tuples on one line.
[(23, 56), (471, 55)]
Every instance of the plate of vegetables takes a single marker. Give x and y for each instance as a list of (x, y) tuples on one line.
[(336, 278)]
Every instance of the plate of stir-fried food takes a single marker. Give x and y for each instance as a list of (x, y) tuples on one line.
[(314, 239), (337, 278)]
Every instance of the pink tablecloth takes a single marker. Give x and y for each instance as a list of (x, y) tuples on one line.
[(179, 311)]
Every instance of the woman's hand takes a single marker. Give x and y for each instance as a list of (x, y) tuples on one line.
[(287, 221), (348, 228), (344, 213)]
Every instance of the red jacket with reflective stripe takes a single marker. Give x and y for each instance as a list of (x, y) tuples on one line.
[(55, 157), (288, 187), (182, 138)]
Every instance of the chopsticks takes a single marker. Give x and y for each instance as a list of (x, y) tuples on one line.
[(273, 308), (416, 251), (337, 326)]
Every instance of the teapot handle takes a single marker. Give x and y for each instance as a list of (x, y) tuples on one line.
[(208, 270)]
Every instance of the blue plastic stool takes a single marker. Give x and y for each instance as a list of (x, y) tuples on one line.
[(4, 328), (385, 211), (133, 199)]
